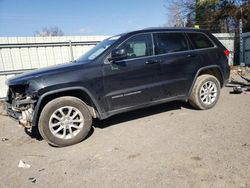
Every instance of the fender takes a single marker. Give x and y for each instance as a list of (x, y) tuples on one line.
[(198, 72), (41, 98)]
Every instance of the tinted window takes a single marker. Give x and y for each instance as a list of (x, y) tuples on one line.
[(169, 42), (200, 41), (138, 46)]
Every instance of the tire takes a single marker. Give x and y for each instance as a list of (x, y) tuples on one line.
[(68, 129), (205, 93)]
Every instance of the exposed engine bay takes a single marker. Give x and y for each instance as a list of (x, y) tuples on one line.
[(20, 106)]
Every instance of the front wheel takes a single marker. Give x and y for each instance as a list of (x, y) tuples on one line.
[(64, 121), (205, 93)]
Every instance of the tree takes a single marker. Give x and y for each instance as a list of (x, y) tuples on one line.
[(214, 15), (181, 13), (52, 31), (219, 16), (245, 15)]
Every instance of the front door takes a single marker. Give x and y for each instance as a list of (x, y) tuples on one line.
[(131, 81)]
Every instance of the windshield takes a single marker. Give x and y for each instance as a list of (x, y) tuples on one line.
[(98, 49)]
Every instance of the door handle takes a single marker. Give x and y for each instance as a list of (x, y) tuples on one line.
[(151, 62), (191, 55)]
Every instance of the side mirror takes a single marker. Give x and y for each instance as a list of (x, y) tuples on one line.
[(117, 54)]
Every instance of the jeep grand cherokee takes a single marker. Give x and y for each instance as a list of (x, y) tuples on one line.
[(122, 73)]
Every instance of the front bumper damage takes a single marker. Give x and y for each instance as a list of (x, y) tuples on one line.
[(21, 110)]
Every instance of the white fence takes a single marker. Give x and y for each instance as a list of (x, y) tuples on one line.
[(227, 39), (20, 54)]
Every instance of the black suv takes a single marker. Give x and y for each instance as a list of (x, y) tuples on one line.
[(122, 73)]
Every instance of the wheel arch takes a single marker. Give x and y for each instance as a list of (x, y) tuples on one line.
[(77, 92), (214, 70)]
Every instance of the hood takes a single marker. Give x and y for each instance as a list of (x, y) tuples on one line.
[(42, 72)]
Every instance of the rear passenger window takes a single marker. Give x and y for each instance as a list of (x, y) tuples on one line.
[(169, 42), (200, 41)]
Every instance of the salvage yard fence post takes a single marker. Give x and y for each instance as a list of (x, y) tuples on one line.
[(71, 51)]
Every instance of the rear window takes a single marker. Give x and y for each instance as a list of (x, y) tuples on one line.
[(200, 40), (169, 42)]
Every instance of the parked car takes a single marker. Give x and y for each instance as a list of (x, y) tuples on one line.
[(122, 73)]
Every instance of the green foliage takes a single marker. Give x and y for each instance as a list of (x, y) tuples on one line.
[(223, 15)]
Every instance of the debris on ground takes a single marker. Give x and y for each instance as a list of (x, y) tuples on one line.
[(22, 164), (4, 139), (196, 158), (32, 179), (240, 82), (245, 145), (240, 89)]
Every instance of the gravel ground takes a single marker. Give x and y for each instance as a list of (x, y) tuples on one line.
[(170, 145)]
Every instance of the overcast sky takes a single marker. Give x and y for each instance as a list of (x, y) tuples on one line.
[(80, 17)]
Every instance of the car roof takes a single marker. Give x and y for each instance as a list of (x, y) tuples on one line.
[(172, 28), (157, 29)]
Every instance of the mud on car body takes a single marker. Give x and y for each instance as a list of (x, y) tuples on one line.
[(122, 73)]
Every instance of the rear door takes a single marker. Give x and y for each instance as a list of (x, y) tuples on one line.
[(177, 63), (131, 81), (208, 51)]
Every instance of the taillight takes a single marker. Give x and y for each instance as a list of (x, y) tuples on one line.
[(226, 52)]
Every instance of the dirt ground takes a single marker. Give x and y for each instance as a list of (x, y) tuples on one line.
[(170, 145)]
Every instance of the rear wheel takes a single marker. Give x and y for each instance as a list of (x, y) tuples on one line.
[(205, 93), (64, 121)]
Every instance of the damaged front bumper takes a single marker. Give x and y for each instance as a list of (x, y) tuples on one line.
[(21, 110)]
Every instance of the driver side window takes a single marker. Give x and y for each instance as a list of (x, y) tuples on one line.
[(138, 46)]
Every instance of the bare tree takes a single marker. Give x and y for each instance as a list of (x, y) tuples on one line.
[(180, 12), (215, 15), (49, 31)]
